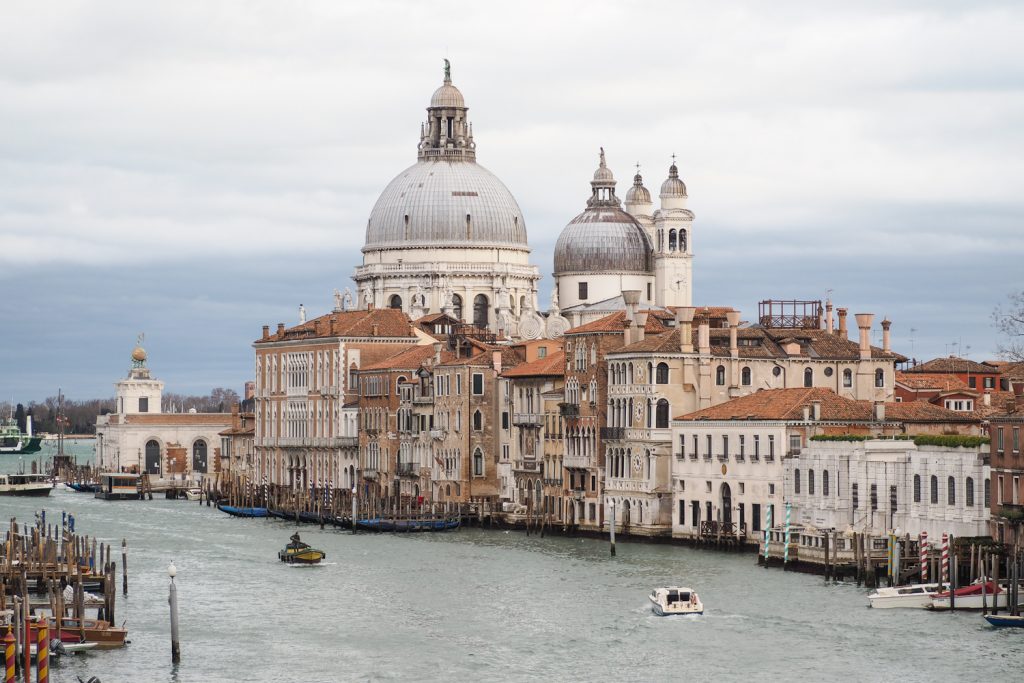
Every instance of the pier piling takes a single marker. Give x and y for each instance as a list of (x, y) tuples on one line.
[(611, 528), (173, 602)]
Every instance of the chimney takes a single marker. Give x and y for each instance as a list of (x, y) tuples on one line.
[(373, 329), (639, 330), (734, 321), (266, 332), (864, 325), (704, 336), (807, 413), (815, 410), (880, 411), (437, 353), (684, 323), (496, 361), (632, 299), (886, 341), (828, 317), (842, 323), (234, 411), (280, 329)]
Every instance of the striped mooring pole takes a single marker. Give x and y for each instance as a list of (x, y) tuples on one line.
[(785, 550), (42, 653), (945, 558), (767, 531), (892, 545), (922, 545), (9, 643)]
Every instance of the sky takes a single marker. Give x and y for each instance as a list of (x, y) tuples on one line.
[(195, 170)]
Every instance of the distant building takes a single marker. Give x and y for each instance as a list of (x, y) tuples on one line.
[(1007, 473), (139, 437)]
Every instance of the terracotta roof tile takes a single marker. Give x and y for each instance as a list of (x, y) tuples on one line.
[(954, 364), (552, 366), (930, 380), (409, 359), (380, 322), (615, 322)]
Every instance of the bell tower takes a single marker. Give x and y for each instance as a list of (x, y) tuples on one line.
[(673, 244)]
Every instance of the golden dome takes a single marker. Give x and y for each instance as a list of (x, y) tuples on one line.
[(139, 354)]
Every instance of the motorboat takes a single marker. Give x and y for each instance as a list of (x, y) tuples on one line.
[(193, 493), (970, 597), (297, 552), (916, 596), (675, 600), (25, 485), (1004, 620)]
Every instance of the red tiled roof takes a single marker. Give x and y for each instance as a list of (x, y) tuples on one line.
[(615, 322), (409, 359), (552, 366), (179, 419), (380, 322), (937, 381), (954, 364)]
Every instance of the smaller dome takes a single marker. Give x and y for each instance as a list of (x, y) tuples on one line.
[(603, 173), (673, 186), (638, 194), (447, 97), (139, 354)]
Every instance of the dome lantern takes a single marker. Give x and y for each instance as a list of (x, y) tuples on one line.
[(447, 133)]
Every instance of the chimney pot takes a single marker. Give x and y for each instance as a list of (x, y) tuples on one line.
[(266, 331), (280, 328), (842, 323), (880, 411), (864, 325), (829, 326), (886, 339)]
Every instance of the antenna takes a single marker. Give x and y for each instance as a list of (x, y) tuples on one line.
[(913, 330)]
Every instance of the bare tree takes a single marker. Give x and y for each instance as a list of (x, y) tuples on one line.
[(1009, 319)]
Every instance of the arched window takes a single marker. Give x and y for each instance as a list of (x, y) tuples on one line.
[(682, 240), (480, 306), (796, 481), (153, 457), (671, 240), (879, 377), (199, 456), (824, 483), (987, 502), (650, 373), (631, 373), (951, 491), (847, 378), (808, 377), (720, 375), (395, 302), (457, 307), (478, 463), (478, 421), (935, 490), (969, 492), (810, 482), (745, 377), (661, 421), (917, 488), (662, 373)]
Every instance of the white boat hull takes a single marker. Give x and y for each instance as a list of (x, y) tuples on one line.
[(915, 596), (974, 601), (666, 602)]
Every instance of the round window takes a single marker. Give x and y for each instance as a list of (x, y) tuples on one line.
[(776, 371), (828, 372)]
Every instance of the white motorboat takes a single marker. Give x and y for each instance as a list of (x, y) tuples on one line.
[(916, 596), (25, 485), (970, 597), (193, 493), (675, 600)]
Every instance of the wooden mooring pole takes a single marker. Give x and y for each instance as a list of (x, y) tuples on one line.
[(124, 566)]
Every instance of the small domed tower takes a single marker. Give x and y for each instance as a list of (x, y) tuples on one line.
[(673, 243), (139, 392)]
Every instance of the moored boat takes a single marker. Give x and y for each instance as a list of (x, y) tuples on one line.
[(83, 486), (971, 597), (242, 511), (1005, 620), (193, 493), (917, 596), (102, 633), (15, 442), (675, 600), (25, 485), (297, 552)]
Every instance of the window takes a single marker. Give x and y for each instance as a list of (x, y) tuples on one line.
[(458, 385), (745, 377), (935, 490), (720, 375), (478, 384), (969, 492), (999, 439), (144, 404), (892, 499), (824, 483), (480, 310), (725, 446), (743, 447), (1016, 439), (649, 297), (972, 382), (999, 491), (771, 492), (707, 456), (504, 420), (990, 382), (757, 446), (682, 512), (682, 446), (794, 444), (478, 421), (951, 491), (854, 497), (662, 373), (478, 463), (771, 447), (583, 291), (810, 482), (808, 377), (707, 488), (796, 482), (696, 449), (542, 352), (879, 378), (988, 493), (847, 378), (661, 421), (396, 301), (917, 488)]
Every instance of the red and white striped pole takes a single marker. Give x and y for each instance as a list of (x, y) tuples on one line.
[(923, 545), (945, 558)]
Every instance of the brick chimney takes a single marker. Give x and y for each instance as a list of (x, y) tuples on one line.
[(266, 332), (842, 323), (829, 325), (280, 329), (684, 322), (631, 297), (496, 361), (886, 340), (437, 353), (734, 322), (864, 325)]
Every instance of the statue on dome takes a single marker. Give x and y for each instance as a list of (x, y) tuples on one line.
[(447, 70)]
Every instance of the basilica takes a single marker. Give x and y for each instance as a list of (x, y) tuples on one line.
[(446, 236)]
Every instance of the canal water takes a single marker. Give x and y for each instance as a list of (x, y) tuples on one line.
[(489, 605)]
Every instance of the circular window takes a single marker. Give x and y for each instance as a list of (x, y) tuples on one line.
[(776, 371), (828, 372)]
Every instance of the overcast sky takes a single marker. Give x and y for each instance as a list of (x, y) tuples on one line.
[(198, 170)]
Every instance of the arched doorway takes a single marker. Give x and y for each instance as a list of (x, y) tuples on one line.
[(625, 513), (153, 456), (199, 456), (457, 307), (395, 302), (726, 504)]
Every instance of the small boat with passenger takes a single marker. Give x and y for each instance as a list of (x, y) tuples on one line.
[(675, 600), (297, 552), (917, 596)]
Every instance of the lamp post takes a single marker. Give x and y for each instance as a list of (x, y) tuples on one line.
[(173, 601)]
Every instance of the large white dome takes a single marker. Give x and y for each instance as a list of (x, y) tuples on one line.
[(438, 203)]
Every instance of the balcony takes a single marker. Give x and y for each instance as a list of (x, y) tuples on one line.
[(344, 441), (613, 433), (422, 400), (408, 469), (723, 457), (329, 390), (369, 473), (437, 433), (578, 494), (630, 485), (569, 409), (576, 462), (528, 419)]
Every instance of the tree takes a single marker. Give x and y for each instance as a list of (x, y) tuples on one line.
[(19, 416), (1009, 320)]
